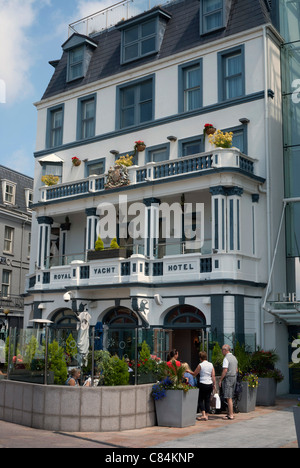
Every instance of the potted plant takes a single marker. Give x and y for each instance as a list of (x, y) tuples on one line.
[(126, 161), (221, 140), (76, 161), (296, 410), (139, 145), (50, 179), (147, 366), (114, 251), (175, 401), (209, 129), (263, 364), (248, 397)]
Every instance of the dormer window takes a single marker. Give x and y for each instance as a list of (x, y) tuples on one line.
[(213, 15), (79, 49), (75, 69), (143, 35)]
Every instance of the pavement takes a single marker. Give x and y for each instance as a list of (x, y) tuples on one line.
[(266, 427)]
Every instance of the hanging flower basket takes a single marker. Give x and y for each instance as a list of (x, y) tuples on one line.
[(76, 161), (209, 129), (139, 145)]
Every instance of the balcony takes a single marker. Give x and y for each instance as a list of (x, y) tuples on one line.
[(229, 159), (173, 263), (110, 16)]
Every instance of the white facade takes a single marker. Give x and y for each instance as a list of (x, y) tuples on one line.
[(242, 196)]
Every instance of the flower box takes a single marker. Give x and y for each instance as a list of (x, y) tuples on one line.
[(177, 408), (106, 253), (247, 402), (266, 392)]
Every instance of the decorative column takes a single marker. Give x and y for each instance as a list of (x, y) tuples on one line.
[(43, 251), (218, 209), (64, 228), (234, 218), (91, 227), (151, 226)]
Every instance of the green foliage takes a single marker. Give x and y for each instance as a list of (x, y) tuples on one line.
[(70, 349), (30, 350), (57, 363), (146, 364), (115, 372), (244, 358), (114, 244), (217, 357), (99, 245)]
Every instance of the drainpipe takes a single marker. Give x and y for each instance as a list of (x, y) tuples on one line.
[(266, 118)]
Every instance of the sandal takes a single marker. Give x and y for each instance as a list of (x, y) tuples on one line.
[(226, 418), (202, 419)]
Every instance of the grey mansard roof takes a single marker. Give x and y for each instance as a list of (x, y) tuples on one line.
[(182, 33), (22, 182)]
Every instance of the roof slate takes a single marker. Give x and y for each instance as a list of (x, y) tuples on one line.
[(182, 33)]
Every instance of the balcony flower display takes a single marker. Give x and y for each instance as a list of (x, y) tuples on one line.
[(125, 160), (221, 140), (50, 179), (76, 161), (139, 145), (209, 129)]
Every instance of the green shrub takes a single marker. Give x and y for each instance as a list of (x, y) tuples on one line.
[(114, 244), (99, 244), (115, 372)]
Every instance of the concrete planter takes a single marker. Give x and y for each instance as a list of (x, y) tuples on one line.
[(177, 408), (71, 409), (247, 402), (266, 392), (296, 410)]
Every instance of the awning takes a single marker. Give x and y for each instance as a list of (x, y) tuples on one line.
[(287, 312), (51, 158)]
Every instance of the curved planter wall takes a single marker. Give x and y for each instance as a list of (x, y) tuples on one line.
[(60, 408)]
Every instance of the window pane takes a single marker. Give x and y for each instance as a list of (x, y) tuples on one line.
[(159, 155), (193, 147), (233, 65), (76, 55), (97, 168), (149, 28), (149, 45), (88, 109), (213, 21), (211, 5), (234, 87), (131, 35), (193, 77), (146, 91), (145, 111), (128, 97), (193, 100), (131, 52), (127, 117)]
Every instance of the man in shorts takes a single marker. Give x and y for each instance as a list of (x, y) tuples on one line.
[(228, 378)]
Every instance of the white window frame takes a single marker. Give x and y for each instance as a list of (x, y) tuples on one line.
[(8, 239), (5, 193)]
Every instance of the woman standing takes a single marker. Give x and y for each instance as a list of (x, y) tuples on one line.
[(207, 384)]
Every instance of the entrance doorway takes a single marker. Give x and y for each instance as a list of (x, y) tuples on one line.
[(186, 325)]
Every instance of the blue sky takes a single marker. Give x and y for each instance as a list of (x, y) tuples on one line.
[(31, 34)]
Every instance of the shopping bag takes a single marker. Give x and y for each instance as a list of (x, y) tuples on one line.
[(217, 401)]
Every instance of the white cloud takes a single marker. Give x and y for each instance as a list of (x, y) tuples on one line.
[(15, 58)]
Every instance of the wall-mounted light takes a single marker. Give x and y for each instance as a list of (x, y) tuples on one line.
[(244, 121), (115, 152), (172, 138)]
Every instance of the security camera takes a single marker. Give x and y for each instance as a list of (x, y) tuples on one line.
[(67, 296)]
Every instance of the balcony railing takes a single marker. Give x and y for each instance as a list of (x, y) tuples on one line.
[(112, 15), (221, 158)]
